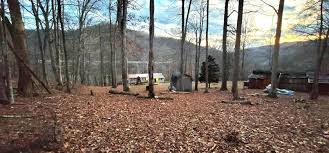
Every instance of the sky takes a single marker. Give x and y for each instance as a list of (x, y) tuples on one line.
[(259, 18)]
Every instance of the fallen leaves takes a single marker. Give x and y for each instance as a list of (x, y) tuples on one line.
[(194, 122)]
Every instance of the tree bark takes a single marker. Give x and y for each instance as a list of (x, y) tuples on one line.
[(112, 56), (101, 54), (181, 66), (3, 36), (124, 58), (35, 9), (237, 53), (207, 63), (225, 64), (61, 16), (275, 53), (19, 38), (196, 75), (199, 48), (151, 63)]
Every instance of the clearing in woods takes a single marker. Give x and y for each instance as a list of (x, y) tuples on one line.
[(195, 122)]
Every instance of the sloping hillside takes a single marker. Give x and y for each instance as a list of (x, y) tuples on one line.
[(296, 56)]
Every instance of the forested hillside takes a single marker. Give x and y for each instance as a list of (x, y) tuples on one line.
[(166, 50)]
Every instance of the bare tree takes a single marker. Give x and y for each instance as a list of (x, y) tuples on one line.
[(207, 27), (17, 31), (113, 55), (237, 53), (35, 9), (46, 13), (6, 61), (61, 16), (124, 58), (319, 56), (101, 55), (151, 63), (275, 54), (225, 64), (198, 45), (84, 8)]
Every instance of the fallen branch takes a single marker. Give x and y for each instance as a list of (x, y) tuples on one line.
[(243, 102), (156, 97), (28, 67), (14, 116), (177, 92), (123, 93)]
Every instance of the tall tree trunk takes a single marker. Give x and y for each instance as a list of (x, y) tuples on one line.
[(151, 63), (199, 48), (19, 38), (243, 52), (237, 52), (112, 51), (275, 53), (57, 62), (181, 66), (225, 60), (196, 73), (3, 87), (35, 9), (207, 26), (48, 43), (124, 58), (101, 54), (113, 63), (61, 16), (4, 48), (315, 86)]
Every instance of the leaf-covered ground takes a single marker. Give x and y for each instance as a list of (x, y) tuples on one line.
[(195, 122)]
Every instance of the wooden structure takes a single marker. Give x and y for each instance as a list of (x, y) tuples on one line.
[(186, 83), (323, 82), (294, 81), (259, 79), (287, 80), (181, 83)]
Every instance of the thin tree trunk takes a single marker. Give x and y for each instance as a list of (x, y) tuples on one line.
[(35, 9), (181, 66), (48, 41), (275, 54), (61, 16), (151, 63), (225, 60), (196, 73), (103, 76), (237, 52), (199, 48), (315, 86), (19, 38), (124, 58), (57, 62), (112, 51), (207, 26)]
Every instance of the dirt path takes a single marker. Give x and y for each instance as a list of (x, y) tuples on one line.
[(195, 122)]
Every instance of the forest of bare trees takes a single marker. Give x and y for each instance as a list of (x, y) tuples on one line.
[(164, 75), (67, 48)]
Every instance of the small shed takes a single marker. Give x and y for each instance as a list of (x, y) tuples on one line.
[(186, 84), (294, 81), (259, 79), (323, 82)]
